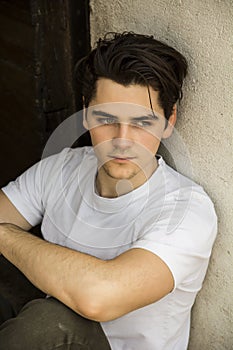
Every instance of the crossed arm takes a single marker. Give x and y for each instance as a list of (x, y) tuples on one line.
[(97, 289)]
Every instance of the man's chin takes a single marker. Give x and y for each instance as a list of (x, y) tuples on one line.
[(121, 171)]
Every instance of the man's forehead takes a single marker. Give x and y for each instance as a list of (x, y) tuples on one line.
[(121, 109)]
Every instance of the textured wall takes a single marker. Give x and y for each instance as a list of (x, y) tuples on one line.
[(202, 31)]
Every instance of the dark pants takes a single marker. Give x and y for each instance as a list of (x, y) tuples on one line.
[(47, 324)]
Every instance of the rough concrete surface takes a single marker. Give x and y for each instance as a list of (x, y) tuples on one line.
[(203, 32)]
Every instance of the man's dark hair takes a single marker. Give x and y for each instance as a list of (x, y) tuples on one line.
[(129, 58)]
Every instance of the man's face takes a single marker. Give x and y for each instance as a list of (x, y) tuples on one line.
[(125, 132)]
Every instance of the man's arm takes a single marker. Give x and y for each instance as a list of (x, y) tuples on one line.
[(97, 289), (9, 214)]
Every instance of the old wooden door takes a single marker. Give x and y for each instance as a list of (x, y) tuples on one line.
[(40, 42)]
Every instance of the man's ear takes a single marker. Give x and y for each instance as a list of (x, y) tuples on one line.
[(85, 124), (170, 123)]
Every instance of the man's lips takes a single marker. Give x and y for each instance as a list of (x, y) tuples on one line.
[(120, 158)]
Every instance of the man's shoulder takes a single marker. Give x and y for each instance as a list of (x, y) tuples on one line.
[(67, 157), (61, 166), (175, 180), (182, 191)]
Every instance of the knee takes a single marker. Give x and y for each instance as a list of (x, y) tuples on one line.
[(39, 325), (49, 324)]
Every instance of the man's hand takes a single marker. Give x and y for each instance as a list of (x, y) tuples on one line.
[(96, 289)]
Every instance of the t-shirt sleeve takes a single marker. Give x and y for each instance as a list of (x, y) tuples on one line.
[(43, 182), (25, 193), (29, 191), (185, 249)]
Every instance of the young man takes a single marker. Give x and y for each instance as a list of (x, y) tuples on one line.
[(127, 238)]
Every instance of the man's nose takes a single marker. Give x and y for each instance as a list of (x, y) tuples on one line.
[(122, 138)]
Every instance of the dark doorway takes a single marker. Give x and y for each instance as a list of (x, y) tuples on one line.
[(40, 42)]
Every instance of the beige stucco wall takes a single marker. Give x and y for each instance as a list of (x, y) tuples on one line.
[(203, 32)]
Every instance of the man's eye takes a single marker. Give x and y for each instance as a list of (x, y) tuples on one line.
[(106, 121), (142, 123)]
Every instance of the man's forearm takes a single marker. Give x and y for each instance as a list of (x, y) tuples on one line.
[(68, 275)]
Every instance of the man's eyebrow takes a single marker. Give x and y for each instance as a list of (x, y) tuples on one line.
[(146, 117), (103, 114), (109, 115)]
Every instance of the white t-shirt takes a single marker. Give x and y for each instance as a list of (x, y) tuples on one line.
[(168, 215)]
